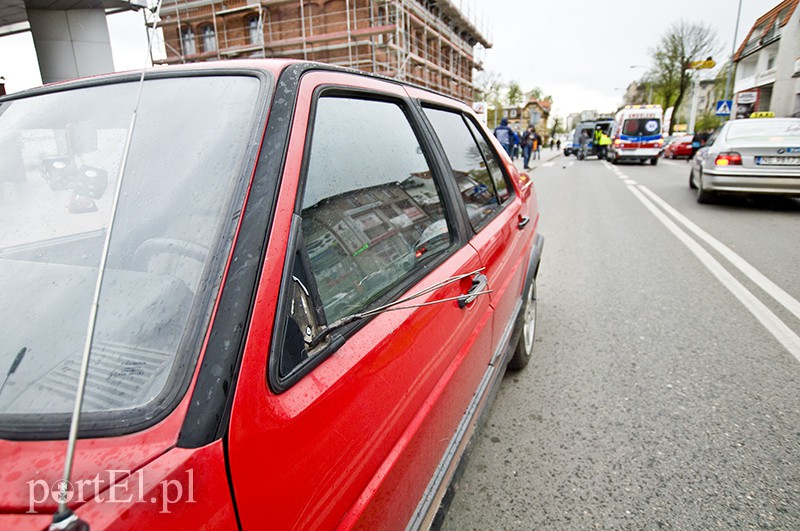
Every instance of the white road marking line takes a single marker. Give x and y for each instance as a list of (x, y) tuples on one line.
[(773, 290), (630, 181), (547, 164), (570, 164), (769, 320)]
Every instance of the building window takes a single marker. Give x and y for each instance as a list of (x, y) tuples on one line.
[(255, 34), (209, 39), (188, 42), (771, 61)]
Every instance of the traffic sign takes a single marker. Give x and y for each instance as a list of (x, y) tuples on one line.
[(699, 65), (724, 107)]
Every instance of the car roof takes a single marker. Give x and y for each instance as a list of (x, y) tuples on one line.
[(273, 66)]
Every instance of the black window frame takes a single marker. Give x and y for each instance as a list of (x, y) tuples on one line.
[(451, 205), (475, 128)]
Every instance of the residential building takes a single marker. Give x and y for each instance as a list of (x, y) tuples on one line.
[(768, 64), (431, 43), (534, 112)]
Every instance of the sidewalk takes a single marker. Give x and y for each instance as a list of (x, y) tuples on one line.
[(547, 156)]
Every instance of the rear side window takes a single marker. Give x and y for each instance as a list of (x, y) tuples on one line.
[(372, 217), (480, 181)]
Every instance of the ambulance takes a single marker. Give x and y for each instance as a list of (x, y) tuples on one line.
[(637, 135)]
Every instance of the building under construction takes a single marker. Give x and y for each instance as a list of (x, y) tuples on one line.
[(426, 42)]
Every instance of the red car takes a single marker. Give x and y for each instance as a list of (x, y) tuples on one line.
[(235, 267), (680, 147)]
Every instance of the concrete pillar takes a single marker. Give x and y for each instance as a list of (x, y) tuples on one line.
[(71, 44)]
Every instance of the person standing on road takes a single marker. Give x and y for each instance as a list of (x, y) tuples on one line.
[(537, 146), (527, 146), (603, 144), (598, 133), (504, 135), (584, 142), (697, 143)]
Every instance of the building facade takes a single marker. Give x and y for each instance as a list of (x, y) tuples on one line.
[(768, 64), (430, 43)]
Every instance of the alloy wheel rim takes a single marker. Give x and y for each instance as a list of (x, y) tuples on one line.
[(529, 326)]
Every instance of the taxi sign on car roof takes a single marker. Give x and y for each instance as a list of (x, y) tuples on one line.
[(762, 114)]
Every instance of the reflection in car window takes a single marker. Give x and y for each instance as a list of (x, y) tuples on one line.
[(372, 212), (468, 161), (501, 188)]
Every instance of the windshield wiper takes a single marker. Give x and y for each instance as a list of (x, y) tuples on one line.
[(14, 366), (397, 305)]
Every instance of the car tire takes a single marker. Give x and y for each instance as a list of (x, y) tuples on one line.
[(703, 195), (524, 349), (654, 161), (692, 186)]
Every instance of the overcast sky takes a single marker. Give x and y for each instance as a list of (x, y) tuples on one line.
[(579, 51)]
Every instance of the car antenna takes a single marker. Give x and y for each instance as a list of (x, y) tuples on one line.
[(64, 518), (399, 304)]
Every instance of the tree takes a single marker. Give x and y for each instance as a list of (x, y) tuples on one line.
[(488, 86), (534, 94), (683, 43), (514, 95)]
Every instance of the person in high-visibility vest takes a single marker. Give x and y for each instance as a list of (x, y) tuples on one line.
[(603, 144), (596, 140)]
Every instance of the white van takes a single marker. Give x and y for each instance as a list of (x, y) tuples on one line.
[(638, 134)]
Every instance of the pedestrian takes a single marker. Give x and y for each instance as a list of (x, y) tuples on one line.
[(558, 144), (514, 145), (604, 142), (697, 143), (584, 142), (596, 140), (552, 144), (538, 147), (504, 135), (527, 146)]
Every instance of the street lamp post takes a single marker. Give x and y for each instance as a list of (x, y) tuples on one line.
[(728, 88), (649, 85)]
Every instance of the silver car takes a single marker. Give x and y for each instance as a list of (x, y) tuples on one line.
[(752, 156)]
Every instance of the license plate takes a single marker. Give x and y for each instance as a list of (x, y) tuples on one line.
[(778, 161)]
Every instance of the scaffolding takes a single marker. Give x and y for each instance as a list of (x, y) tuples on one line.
[(430, 43)]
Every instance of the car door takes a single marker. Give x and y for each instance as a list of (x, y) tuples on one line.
[(502, 229), (340, 416)]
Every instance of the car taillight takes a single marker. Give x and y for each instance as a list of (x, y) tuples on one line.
[(729, 158), (617, 141)]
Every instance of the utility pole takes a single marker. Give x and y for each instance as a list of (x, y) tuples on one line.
[(729, 88)]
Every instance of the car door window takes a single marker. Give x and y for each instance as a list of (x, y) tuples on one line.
[(480, 180), (372, 217)]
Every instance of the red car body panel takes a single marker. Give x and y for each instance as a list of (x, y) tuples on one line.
[(681, 147), (371, 378), (354, 443)]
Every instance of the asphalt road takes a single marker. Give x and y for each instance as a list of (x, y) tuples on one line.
[(664, 392)]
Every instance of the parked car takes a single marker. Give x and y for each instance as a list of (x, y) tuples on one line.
[(272, 347), (679, 147), (569, 148), (749, 156)]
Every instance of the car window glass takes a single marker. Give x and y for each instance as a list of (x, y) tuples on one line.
[(469, 166), (372, 212), (491, 162)]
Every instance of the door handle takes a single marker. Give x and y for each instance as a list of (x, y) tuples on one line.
[(523, 220), (479, 283)]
